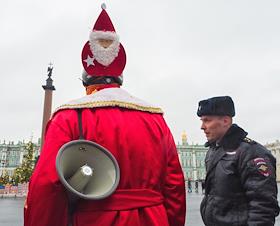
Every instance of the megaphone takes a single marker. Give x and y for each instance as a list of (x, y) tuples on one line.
[(87, 169)]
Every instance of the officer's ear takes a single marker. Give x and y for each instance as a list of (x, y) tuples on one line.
[(227, 120)]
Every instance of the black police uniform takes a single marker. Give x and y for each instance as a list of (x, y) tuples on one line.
[(240, 186)]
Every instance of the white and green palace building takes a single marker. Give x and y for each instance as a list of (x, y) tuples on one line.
[(192, 159)]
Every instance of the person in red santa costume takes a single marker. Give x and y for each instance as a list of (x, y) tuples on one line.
[(151, 190)]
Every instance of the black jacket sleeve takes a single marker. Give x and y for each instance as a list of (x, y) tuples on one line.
[(258, 177)]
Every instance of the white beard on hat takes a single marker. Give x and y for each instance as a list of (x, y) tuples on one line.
[(104, 56)]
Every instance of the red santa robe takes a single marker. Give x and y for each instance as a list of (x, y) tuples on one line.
[(151, 191)]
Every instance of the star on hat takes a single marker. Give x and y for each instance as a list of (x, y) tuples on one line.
[(89, 61)]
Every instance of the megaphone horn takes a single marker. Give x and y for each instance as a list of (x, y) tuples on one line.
[(87, 169)]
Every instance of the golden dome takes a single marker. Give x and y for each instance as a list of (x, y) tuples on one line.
[(184, 137)]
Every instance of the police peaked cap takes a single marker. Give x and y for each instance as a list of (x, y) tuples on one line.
[(222, 105)]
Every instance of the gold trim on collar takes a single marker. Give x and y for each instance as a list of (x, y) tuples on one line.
[(112, 103)]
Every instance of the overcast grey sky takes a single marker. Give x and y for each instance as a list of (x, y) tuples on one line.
[(178, 52)]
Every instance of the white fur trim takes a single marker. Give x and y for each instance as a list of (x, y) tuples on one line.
[(115, 97), (94, 35)]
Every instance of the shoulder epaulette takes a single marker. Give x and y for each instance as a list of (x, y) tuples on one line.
[(248, 140)]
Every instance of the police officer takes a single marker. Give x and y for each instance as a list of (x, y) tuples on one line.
[(196, 186), (240, 185), (189, 186)]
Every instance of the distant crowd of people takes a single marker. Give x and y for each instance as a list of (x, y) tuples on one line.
[(196, 185)]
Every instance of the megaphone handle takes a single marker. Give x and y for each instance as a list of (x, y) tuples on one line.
[(80, 124)]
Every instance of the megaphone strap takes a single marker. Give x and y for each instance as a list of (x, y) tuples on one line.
[(123, 199), (79, 111)]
